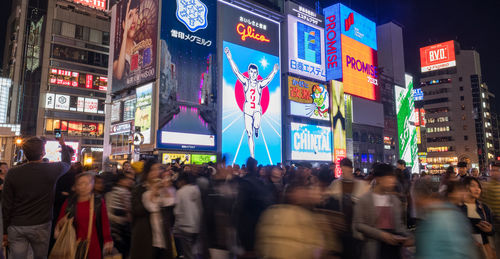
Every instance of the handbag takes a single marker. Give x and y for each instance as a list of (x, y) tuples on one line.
[(82, 246), (64, 246)]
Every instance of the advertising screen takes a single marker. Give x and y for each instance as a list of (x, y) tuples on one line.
[(407, 134), (144, 95), (360, 72), (310, 142), (418, 94), (333, 43), (358, 27), (338, 108), (62, 102), (75, 79), (251, 97), (129, 109), (136, 29), (167, 158), (203, 159), (188, 75), (305, 42), (308, 99), (53, 151), (437, 56)]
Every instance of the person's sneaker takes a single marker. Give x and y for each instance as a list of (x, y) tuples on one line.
[(257, 133)]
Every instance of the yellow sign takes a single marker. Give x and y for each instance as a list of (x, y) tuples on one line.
[(167, 158)]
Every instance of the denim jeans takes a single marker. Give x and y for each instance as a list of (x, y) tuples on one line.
[(187, 242), (22, 237)]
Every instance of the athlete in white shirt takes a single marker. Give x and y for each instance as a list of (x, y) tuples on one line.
[(252, 87)]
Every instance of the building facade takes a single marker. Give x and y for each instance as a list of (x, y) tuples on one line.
[(456, 101), (57, 57)]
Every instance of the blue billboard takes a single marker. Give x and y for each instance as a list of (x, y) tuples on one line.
[(333, 44), (358, 27), (251, 86), (310, 142), (188, 75)]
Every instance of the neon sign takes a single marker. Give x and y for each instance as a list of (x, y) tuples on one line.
[(249, 32)]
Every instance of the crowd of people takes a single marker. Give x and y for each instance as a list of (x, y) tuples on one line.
[(147, 209)]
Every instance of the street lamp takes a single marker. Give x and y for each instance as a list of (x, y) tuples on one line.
[(88, 161), (19, 141)]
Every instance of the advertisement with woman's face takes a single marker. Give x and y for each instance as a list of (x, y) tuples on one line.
[(134, 60)]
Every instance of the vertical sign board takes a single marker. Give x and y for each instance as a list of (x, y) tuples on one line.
[(188, 75), (338, 113), (144, 96), (251, 82), (308, 99), (407, 133), (305, 42), (136, 30), (333, 47), (310, 142)]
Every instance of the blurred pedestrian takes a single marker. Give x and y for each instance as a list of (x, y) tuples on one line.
[(378, 218), (80, 206), (444, 232), (448, 176), (28, 199), (119, 206), (188, 214), (291, 230), (151, 226), (253, 198), (492, 199)]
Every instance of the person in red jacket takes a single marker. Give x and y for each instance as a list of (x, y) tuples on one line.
[(79, 207)]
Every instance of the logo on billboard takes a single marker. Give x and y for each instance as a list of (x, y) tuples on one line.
[(438, 56), (193, 14), (249, 32), (311, 142), (333, 46), (349, 21)]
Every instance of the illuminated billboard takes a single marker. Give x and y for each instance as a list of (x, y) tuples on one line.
[(251, 82), (359, 68), (407, 133), (310, 142), (167, 158), (358, 27), (53, 150), (308, 99), (332, 41), (188, 75), (437, 56), (144, 96), (305, 42), (338, 113), (135, 33), (197, 159), (97, 4)]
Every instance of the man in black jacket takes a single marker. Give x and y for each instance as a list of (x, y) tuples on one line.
[(28, 199)]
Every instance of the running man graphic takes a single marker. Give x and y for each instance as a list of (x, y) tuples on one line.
[(253, 87)]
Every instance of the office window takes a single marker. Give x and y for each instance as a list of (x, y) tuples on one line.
[(463, 107), (460, 79), (95, 36), (466, 137), (105, 38), (56, 27), (461, 98), (68, 29), (461, 88)]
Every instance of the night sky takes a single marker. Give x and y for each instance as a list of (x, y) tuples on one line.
[(472, 23)]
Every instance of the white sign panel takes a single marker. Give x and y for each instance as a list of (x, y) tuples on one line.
[(62, 102), (91, 105), (49, 100), (80, 104), (116, 111)]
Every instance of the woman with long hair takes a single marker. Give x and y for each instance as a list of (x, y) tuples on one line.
[(129, 25), (151, 220), (80, 206)]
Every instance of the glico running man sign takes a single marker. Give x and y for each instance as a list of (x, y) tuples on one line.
[(251, 96)]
